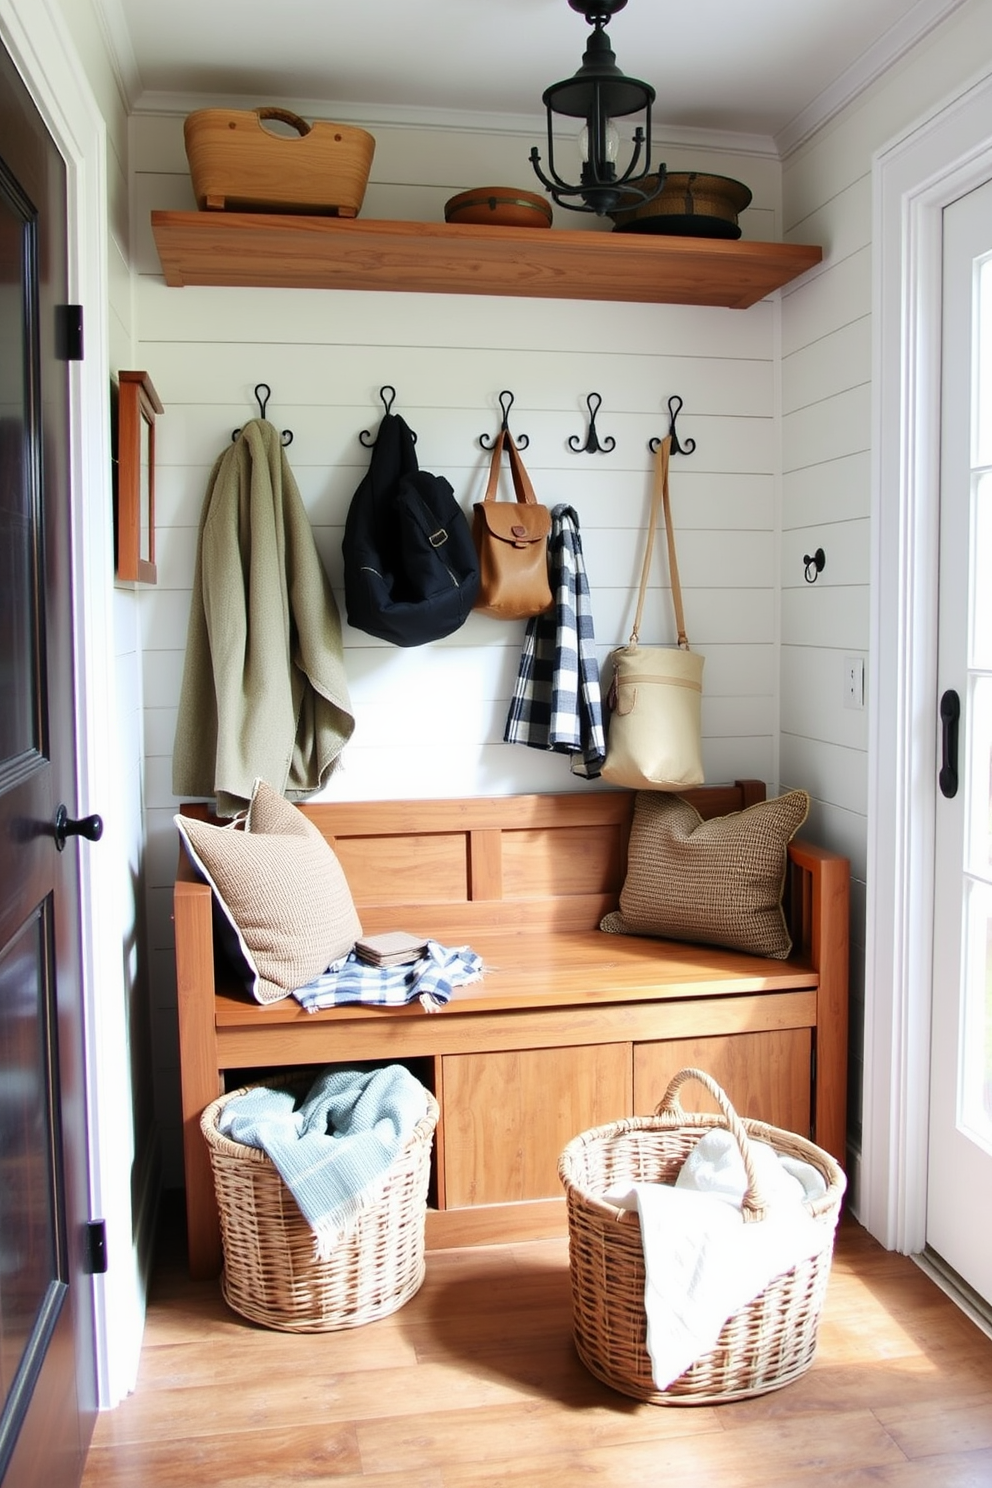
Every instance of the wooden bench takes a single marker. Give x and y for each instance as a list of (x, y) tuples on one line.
[(569, 1027)]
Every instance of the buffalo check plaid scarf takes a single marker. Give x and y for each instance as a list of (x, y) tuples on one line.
[(430, 981), (556, 702)]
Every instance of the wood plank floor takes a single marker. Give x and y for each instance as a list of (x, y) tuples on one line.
[(475, 1382)]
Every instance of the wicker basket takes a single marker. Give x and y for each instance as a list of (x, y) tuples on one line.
[(763, 1346), (690, 204), (270, 1271)]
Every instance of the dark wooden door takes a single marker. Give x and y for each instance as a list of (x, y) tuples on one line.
[(47, 1354)]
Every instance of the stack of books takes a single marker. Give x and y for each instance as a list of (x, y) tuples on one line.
[(391, 948)]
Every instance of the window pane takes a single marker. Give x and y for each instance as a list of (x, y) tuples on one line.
[(978, 846), (983, 365), (976, 1083), (981, 587), (18, 589)]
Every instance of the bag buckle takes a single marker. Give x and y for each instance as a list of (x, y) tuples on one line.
[(437, 538)]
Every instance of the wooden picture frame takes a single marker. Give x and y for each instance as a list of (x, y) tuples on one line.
[(134, 493)]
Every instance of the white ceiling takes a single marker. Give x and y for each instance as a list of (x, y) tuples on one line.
[(757, 67)]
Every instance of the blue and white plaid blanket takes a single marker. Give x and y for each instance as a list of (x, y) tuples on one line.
[(430, 980), (556, 702)]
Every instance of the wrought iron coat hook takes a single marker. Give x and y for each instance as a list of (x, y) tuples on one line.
[(520, 440), (674, 407), (367, 438), (814, 565), (262, 395), (593, 445)]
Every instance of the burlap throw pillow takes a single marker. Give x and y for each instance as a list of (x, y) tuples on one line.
[(718, 882), (280, 886)]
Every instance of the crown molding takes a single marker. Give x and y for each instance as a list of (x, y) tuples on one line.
[(110, 17), (924, 17), (385, 116), (368, 116)]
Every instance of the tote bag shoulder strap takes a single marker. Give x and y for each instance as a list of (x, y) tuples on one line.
[(660, 500), (521, 480)]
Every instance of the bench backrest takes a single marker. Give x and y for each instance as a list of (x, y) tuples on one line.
[(448, 867), (453, 867)]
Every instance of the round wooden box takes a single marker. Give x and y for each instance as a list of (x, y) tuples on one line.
[(499, 206)]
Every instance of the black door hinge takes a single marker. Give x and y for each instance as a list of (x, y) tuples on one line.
[(96, 1247), (69, 333)]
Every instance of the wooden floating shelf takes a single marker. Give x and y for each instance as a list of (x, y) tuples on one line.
[(265, 251)]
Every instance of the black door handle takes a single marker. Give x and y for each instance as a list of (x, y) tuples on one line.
[(950, 712), (67, 826)]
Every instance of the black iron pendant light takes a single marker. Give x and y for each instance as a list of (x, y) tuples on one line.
[(599, 93)]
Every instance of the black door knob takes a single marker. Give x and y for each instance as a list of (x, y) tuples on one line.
[(67, 826)]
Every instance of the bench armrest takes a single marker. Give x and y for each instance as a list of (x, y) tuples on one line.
[(818, 898), (195, 988)]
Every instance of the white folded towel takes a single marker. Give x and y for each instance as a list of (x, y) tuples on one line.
[(702, 1262), (715, 1165)]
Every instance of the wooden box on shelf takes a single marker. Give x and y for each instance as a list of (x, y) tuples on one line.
[(134, 485)]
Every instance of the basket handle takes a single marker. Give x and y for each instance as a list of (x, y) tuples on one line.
[(286, 116), (754, 1203)]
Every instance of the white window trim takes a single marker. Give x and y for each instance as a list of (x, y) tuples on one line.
[(914, 178)]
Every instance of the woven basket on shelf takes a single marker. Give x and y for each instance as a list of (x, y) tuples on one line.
[(271, 1274), (765, 1344), (239, 165)]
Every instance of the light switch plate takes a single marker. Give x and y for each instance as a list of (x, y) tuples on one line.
[(854, 682)]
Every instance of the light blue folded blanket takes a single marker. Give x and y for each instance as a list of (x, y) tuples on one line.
[(332, 1147)]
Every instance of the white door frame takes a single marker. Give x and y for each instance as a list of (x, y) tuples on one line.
[(946, 155), (35, 35)]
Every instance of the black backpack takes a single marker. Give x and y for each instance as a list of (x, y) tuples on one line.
[(411, 573)]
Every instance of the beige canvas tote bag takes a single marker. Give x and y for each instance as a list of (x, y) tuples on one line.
[(655, 695)]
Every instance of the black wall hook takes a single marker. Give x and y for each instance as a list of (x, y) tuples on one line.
[(593, 445), (506, 403), (262, 395), (366, 437), (814, 565), (674, 406)]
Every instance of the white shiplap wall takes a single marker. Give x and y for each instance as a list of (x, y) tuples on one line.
[(826, 409), (827, 448), (430, 719)]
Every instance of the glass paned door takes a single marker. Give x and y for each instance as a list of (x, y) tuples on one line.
[(959, 1204)]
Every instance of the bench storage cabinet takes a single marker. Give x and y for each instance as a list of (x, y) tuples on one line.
[(569, 1028)]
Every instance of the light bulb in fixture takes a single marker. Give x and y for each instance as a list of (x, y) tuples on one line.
[(611, 143)]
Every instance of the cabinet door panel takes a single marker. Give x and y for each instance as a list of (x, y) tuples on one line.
[(507, 1117), (766, 1075)]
